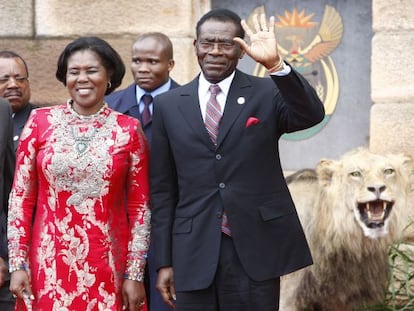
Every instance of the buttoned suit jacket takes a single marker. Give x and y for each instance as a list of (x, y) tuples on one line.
[(192, 181), (19, 121), (125, 101), (7, 161)]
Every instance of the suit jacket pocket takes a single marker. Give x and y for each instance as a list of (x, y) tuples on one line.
[(276, 208), (182, 225), (256, 128)]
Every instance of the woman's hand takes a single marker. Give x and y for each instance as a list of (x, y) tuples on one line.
[(20, 285), (133, 295)]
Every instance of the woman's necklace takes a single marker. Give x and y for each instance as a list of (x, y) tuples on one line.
[(81, 137), (82, 140)]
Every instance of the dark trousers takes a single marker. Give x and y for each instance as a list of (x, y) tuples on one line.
[(232, 289)]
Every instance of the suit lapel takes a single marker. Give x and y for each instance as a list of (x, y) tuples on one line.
[(239, 92), (128, 102), (237, 98), (191, 112)]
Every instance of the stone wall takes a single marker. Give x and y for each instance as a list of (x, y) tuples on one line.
[(39, 30), (392, 77)]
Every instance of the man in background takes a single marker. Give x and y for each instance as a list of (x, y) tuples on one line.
[(6, 178), (15, 87), (152, 62)]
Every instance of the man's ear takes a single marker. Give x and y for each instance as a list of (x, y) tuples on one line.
[(171, 64)]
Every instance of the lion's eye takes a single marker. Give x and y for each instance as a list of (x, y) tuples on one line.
[(356, 174), (389, 171)]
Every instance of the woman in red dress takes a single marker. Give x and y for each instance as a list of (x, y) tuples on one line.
[(79, 208)]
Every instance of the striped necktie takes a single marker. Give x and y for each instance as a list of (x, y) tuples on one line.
[(213, 113)]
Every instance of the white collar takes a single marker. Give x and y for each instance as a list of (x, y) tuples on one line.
[(203, 84)]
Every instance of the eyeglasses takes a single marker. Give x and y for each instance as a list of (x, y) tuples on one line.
[(222, 46), (18, 79)]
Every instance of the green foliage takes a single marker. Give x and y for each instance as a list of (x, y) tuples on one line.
[(400, 293)]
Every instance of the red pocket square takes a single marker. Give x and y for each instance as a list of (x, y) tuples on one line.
[(252, 121)]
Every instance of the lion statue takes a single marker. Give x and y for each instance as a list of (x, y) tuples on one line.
[(352, 210)]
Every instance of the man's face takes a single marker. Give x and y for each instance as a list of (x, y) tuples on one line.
[(151, 64), (14, 83), (217, 54)]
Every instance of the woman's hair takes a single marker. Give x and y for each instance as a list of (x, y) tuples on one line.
[(109, 57)]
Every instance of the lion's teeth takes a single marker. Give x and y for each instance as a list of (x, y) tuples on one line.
[(368, 210)]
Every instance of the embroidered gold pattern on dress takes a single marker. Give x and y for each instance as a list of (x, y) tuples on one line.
[(88, 178)]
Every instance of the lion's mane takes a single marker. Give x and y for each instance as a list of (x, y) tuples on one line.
[(352, 210)]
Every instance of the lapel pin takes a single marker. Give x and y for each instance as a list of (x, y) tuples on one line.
[(241, 100)]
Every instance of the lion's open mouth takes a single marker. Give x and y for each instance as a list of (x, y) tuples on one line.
[(374, 213)]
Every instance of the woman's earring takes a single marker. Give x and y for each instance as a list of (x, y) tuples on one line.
[(109, 84)]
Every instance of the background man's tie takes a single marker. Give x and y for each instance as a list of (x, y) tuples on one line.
[(146, 113), (212, 122)]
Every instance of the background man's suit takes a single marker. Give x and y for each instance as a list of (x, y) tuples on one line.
[(192, 181), (125, 101), (19, 120), (7, 159)]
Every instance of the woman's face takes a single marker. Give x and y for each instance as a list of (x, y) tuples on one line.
[(87, 80)]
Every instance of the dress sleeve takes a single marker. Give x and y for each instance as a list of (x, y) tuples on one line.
[(139, 213), (23, 196)]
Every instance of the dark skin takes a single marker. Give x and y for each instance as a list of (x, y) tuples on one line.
[(86, 81), (218, 51), (15, 91), (151, 64)]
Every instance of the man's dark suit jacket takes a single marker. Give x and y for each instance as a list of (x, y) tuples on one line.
[(125, 101), (7, 159), (192, 180), (19, 120)]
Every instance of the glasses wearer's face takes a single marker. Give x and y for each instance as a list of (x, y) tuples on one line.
[(14, 82), (217, 53), (13, 79), (224, 46)]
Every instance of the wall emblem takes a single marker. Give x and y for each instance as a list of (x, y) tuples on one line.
[(306, 45)]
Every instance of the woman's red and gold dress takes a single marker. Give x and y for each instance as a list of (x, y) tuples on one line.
[(79, 213)]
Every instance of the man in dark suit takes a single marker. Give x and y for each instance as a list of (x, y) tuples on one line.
[(7, 159), (223, 220), (15, 87), (152, 62)]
